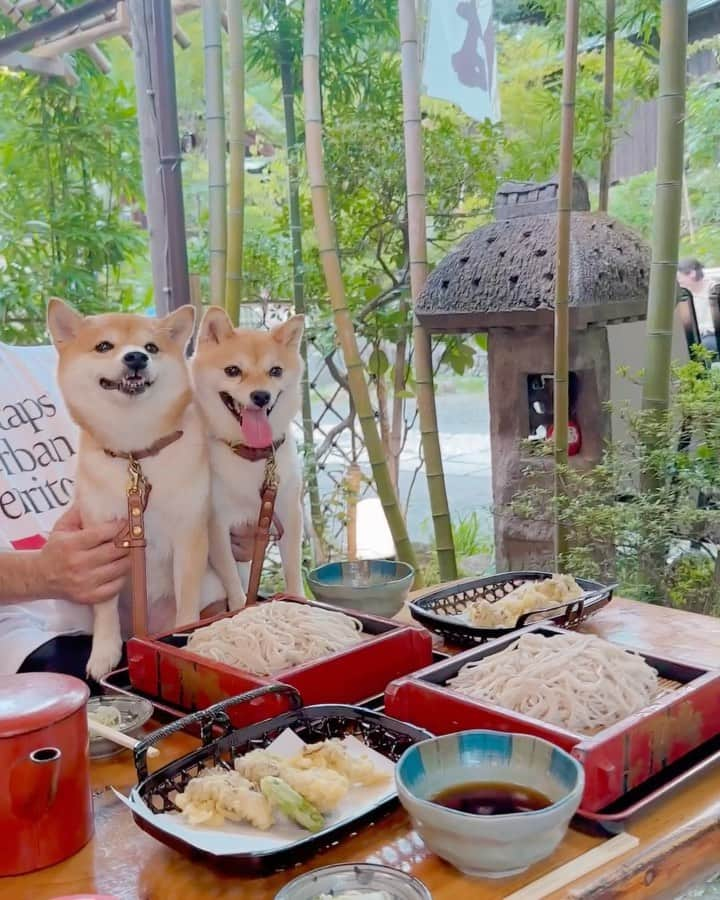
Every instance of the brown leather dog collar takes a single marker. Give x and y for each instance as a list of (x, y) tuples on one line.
[(253, 454), (152, 450)]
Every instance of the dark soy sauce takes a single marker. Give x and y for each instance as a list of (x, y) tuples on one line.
[(496, 798)]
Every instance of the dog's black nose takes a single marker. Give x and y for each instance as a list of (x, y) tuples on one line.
[(136, 360), (260, 398)]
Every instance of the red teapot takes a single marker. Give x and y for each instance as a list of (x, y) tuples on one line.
[(45, 799)]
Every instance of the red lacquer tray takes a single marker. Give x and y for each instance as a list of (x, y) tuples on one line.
[(685, 714), (161, 667)]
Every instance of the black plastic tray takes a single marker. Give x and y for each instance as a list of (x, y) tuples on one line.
[(438, 610), (312, 723)]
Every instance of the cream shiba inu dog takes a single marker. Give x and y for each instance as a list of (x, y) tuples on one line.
[(247, 387), (126, 384)]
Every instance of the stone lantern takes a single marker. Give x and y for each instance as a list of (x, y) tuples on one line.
[(501, 280)]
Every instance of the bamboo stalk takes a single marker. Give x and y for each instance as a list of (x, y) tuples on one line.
[(287, 81), (425, 391), (397, 425), (668, 204), (336, 289), (688, 210), (352, 494), (216, 149), (608, 94), (236, 194), (562, 278)]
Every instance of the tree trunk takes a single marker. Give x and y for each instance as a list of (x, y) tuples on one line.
[(608, 93), (425, 391), (562, 279), (216, 149), (336, 289), (235, 220), (668, 204), (285, 65), (151, 30)]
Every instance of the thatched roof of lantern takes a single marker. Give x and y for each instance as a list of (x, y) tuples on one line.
[(503, 274)]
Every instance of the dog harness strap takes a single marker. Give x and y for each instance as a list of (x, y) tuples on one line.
[(268, 495), (152, 450), (133, 537), (253, 454)]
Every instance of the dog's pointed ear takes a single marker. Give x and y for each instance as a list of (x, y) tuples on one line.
[(180, 324), (215, 326), (63, 321), (289, 333)]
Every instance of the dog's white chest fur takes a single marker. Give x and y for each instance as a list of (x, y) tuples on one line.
[(237, 482), (236, 488), (175, 526), (179, 490)]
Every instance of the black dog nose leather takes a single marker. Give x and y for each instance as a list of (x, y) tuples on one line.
[(260, 398), (136, 360)]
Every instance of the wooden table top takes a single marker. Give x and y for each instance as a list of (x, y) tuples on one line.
[(679, 837)]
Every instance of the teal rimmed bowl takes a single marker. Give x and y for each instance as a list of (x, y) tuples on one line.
[(492, 846), (376, 586)]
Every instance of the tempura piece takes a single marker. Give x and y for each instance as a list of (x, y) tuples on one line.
[(257, 764), (332, 754), (218, 794), (322, 787), (528, 597), (289, 802)]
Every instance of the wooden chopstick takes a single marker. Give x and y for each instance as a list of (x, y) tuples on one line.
[(118, 737), (576, 868)]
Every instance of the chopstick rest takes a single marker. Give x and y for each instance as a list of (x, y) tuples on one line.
[(576, 868)]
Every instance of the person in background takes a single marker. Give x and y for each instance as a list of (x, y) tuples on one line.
[(691, 275)]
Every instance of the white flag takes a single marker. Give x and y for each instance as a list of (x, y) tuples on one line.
[(460, 63)]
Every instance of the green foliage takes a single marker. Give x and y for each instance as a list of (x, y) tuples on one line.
[(637, 537), (637, 18), (530, 99), (469, 540), (69, 177)]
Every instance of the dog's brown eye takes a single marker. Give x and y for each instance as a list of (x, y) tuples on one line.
[(103, 347), (152, 348), (276, 371), (232, 371)]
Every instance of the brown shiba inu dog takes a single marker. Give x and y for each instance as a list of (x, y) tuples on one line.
[(126, 384), (247, 387)]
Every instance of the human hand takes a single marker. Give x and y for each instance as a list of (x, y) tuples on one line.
[(242, 540), (83, 565)]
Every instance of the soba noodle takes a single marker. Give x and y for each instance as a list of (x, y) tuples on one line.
[(576, 681), (268, 638)]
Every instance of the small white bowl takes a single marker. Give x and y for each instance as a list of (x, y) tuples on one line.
[(489, 846), (363, 878), (134, 713)]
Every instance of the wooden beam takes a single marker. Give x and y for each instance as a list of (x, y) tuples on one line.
[(19, 21), (52, 27), (80, 40), (28, 63), (55, 8)]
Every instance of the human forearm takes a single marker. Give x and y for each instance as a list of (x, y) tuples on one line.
[(76, 564), (22, 577)]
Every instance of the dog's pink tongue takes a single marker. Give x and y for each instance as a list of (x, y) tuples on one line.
[(256, 428)]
